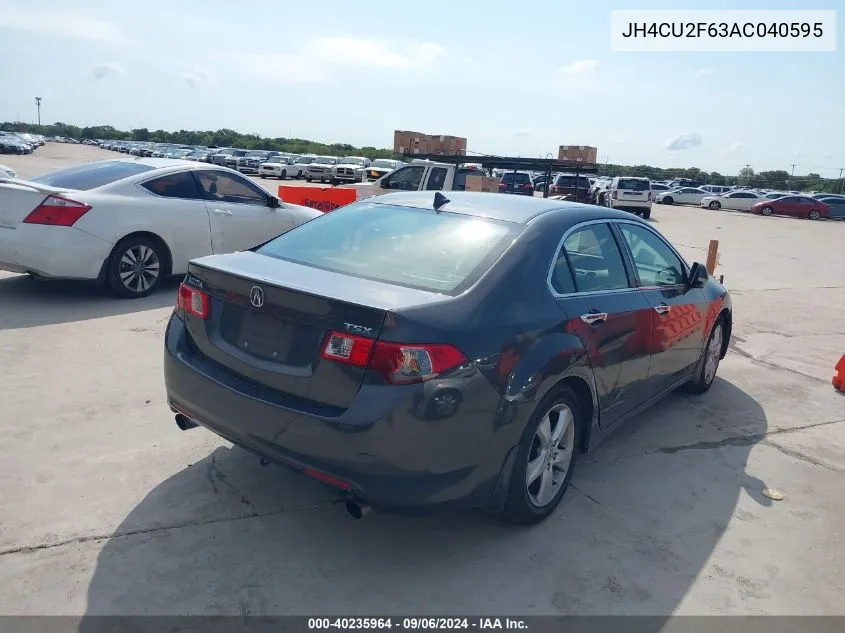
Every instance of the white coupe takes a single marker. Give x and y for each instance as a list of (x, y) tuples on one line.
[(736, 200), (130, 223), (684, 195)]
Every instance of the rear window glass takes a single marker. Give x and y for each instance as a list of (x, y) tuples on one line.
[(416, 248), (569, 181), (507, 177), (632, 184), (92, 175)]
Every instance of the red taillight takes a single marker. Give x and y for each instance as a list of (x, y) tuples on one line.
[(527, 185), (193, 301), (402, 364), (398, 363), (57, 211)]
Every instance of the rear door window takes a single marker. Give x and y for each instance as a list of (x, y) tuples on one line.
[(179, 185), (92, 175), (595, 259)]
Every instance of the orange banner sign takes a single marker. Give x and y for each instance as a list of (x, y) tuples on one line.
[(323, 199)]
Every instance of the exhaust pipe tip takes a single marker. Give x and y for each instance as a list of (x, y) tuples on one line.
[(185, 423), (356, 509)]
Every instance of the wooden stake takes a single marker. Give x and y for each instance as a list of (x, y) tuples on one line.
[(712, 254)]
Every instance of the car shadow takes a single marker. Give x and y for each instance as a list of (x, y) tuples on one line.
[(642, 518), (25, 302)]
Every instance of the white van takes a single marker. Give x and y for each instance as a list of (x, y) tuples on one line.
[(716, 190), (630, 193)]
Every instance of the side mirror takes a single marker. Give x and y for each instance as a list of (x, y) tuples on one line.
[(273, 202), (698, 275)]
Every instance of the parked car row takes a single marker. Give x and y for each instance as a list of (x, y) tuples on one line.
[(267, 164), (19, 142)]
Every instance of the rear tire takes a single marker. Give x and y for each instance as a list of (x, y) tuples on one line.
[(136, 267), (708, 364), (646, 214), (307, 178), (547, 455)]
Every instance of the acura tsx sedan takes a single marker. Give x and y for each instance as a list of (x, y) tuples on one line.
[(417, 352)]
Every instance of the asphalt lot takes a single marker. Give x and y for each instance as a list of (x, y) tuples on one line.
[(109, 509)]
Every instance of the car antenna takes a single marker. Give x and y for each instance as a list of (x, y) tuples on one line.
[(440, 200)]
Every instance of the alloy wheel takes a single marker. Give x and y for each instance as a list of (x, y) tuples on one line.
[(139, 268), (551, 452), (714, 351)]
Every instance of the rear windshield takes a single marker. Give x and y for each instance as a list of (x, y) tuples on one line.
[(521, 178), (395, 245), (92, 175), (569, 181), (634, 184)]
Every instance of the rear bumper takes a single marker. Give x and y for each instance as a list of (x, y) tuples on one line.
[(627, 205), (52, 251), (396, 447)]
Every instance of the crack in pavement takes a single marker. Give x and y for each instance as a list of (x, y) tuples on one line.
[(735, 348), (756, 438), (27, 549)]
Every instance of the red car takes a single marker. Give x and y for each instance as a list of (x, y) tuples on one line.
[(797, 206)]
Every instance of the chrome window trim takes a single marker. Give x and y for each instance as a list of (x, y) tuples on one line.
[(556, 295)]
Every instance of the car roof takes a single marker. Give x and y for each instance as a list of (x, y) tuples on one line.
[(156, 163), (499, 206)]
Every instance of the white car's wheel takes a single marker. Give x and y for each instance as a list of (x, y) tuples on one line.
[(283, 175), (136, 267)]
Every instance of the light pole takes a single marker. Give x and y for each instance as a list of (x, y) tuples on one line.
[(38, 107)]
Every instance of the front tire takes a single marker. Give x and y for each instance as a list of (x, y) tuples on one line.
[(715, 205), (307, 178), (545, 459), (708, 365), (814, 215), (283, 175), (766, 211), (136, 268), (668, 200)]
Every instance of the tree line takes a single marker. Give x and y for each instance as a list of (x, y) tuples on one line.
[(776, 179)]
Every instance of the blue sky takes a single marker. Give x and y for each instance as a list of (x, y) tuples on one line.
[(514, 78)]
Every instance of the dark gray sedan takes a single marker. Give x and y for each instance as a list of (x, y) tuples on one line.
[(414, 351)]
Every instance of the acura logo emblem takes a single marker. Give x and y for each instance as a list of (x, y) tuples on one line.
[(256, 296)]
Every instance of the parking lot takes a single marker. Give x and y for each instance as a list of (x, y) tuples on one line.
[(110, 509)]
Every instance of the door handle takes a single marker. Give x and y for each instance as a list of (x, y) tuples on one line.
[(221, 212), (662, 309), (594, 317)]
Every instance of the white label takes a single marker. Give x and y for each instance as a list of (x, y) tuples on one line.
[(723, 31)]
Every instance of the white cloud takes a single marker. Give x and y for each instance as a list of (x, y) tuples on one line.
[(827, 155), (701, 73), (683, 141), (196, 77), (110, 68), (798, 153), (61, 25), (313, 62), (580, 67), (733, 148), (523, 132)]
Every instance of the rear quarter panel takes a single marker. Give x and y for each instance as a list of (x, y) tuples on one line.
[(181, 224)]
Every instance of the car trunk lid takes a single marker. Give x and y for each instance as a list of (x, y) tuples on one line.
[(270, 320)]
